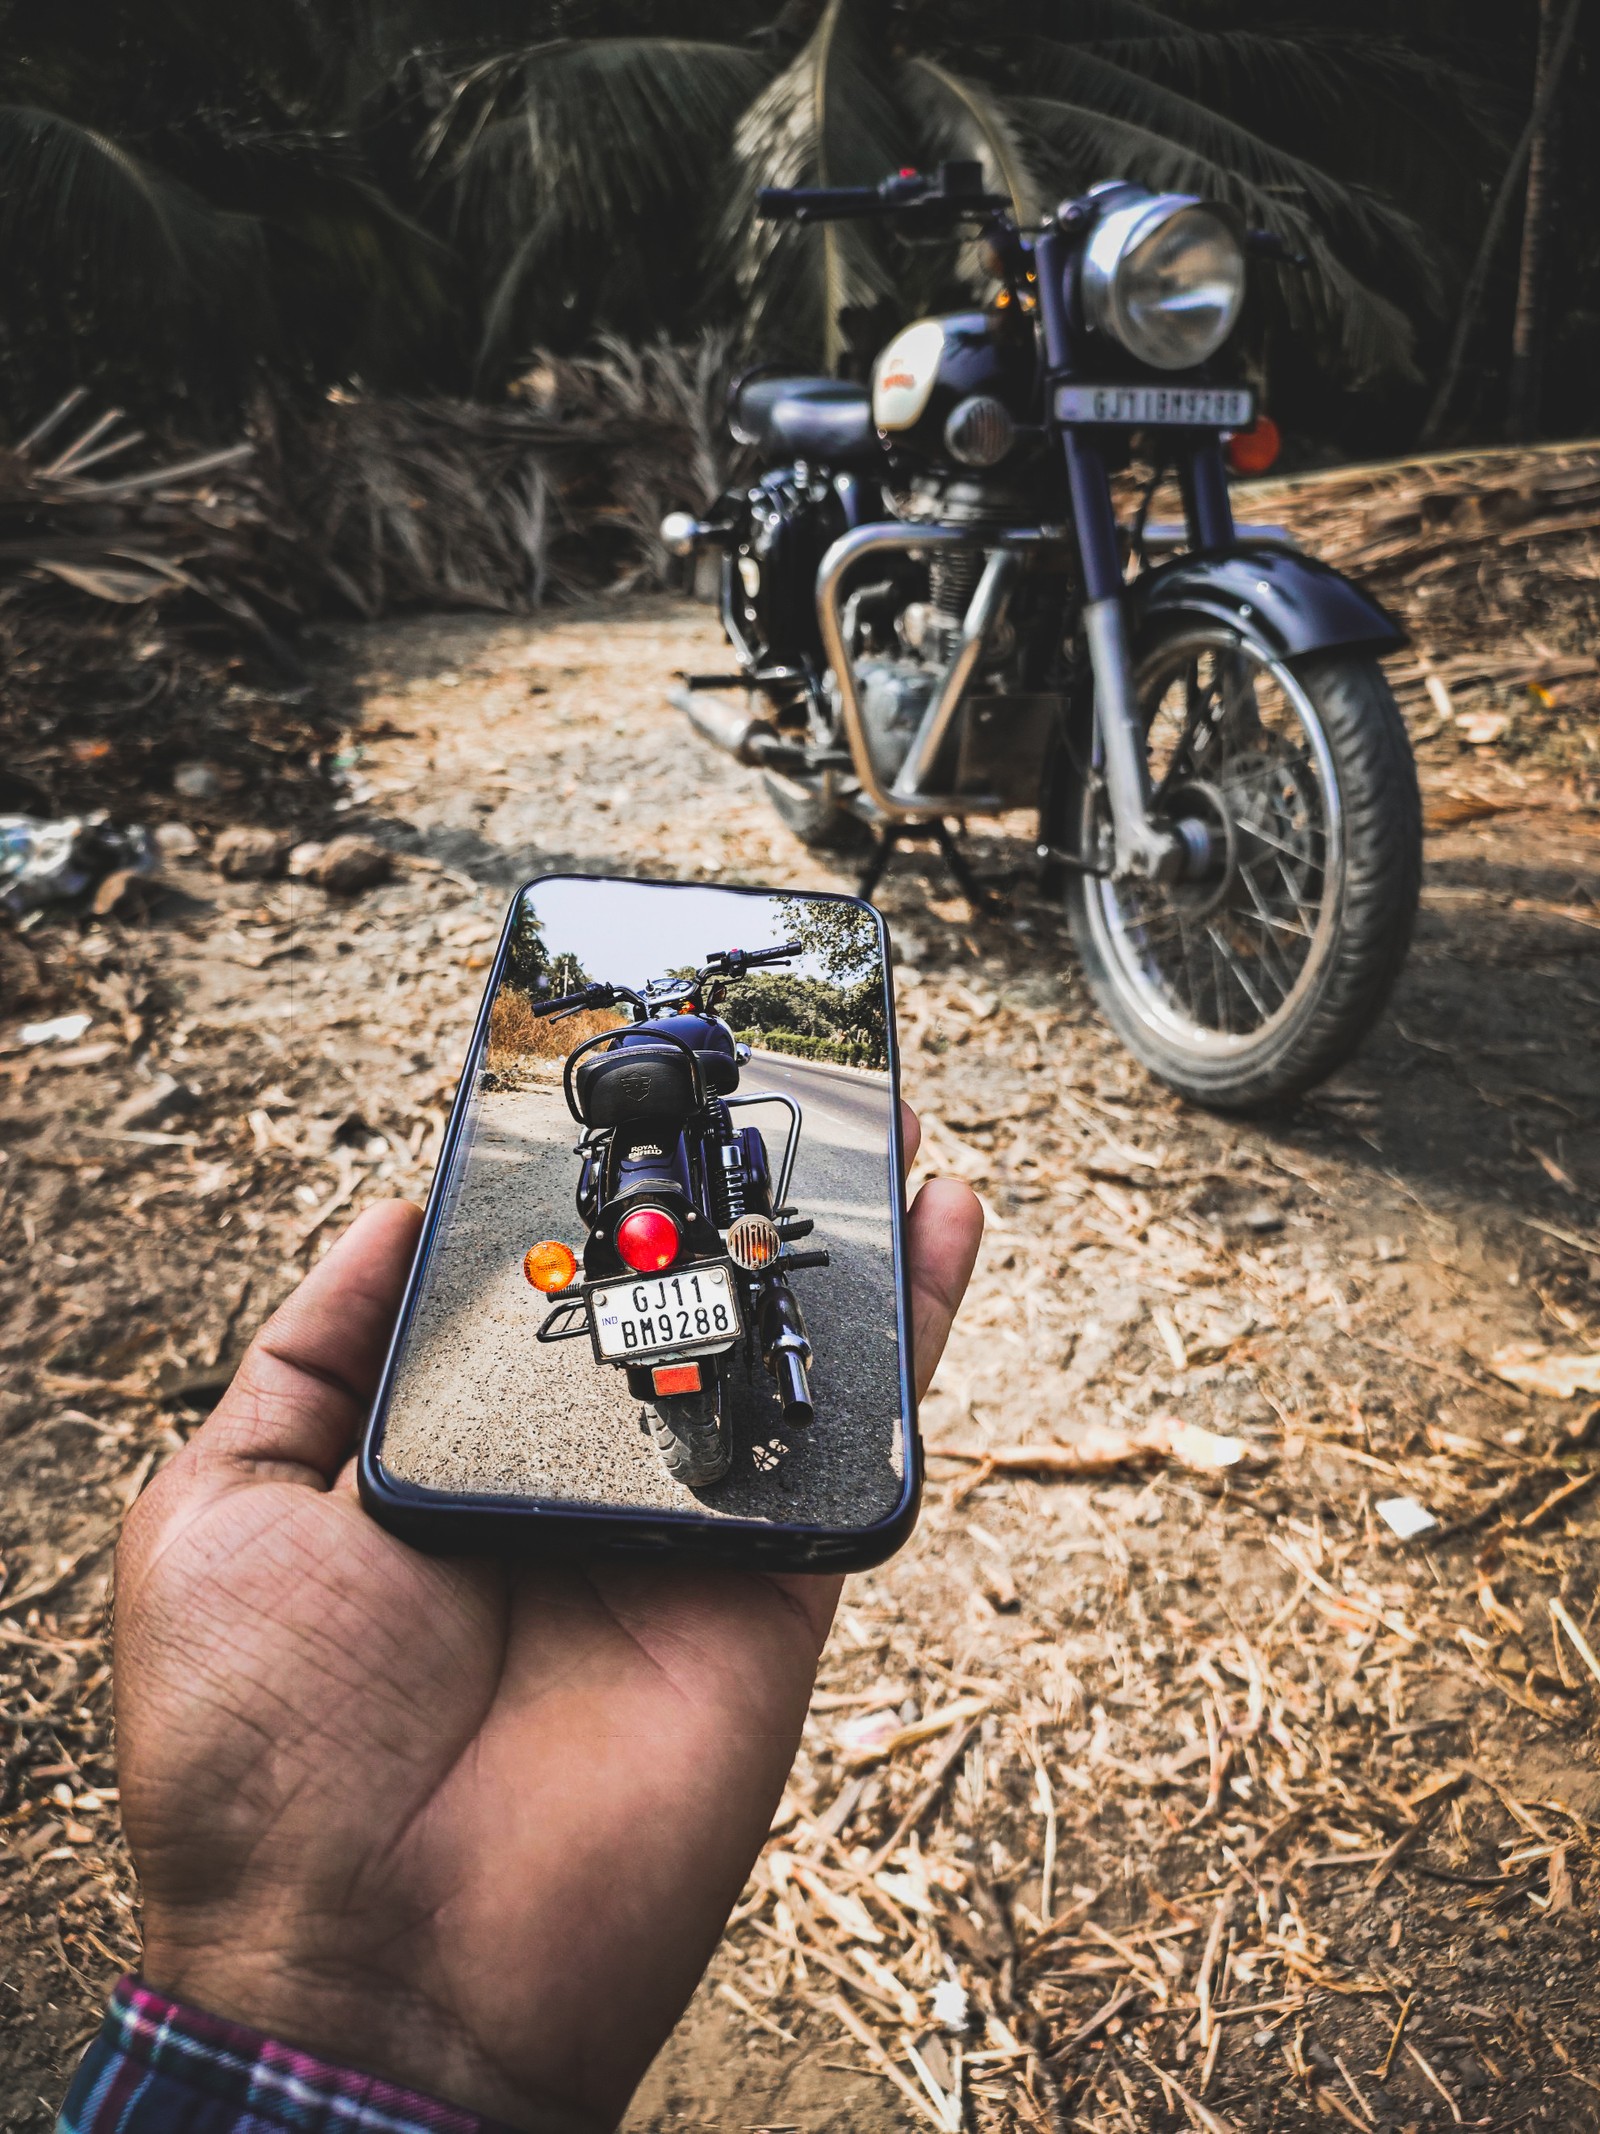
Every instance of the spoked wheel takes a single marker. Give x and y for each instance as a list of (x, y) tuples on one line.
[(692, 1434), (1255, 982)]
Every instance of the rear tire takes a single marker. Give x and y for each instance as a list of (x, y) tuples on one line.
[(693, 1437), (815, 819), (1364, 866)]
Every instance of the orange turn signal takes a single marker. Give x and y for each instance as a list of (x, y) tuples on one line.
[(550, 1266), (1254, 450)]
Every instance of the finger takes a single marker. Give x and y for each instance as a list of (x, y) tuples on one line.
[(910, 1134), (943, 1228), (301, 1394)]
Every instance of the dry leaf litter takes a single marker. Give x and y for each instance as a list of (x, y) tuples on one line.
[(1159, 1783)]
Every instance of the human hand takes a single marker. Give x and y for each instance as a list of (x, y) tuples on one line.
[(472, 1826)]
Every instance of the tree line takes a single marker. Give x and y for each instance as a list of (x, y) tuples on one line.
[(412, 195)]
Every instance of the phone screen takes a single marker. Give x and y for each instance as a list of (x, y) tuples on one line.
[(660, 1271)]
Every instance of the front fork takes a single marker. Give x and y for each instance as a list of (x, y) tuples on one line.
[(1163, 851)]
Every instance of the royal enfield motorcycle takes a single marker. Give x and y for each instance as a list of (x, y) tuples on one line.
[(690, 1241), (937, 615)]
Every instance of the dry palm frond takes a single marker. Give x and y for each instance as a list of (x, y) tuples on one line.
[(556, 491)]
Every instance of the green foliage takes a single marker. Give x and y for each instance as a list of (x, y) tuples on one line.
[(841, 935), (822, 1012), (531, 968), (841, 1052), (409, 194)]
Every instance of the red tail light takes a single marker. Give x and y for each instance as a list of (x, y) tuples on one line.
[(672, 1378), (648, 1240)]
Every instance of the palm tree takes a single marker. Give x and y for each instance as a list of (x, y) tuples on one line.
[(552, 153), (184, 192)]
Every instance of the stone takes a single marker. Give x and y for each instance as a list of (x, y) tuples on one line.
[(155, 1102), (349, 864), (249, 853)]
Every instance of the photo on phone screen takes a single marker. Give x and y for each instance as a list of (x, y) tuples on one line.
[(661, 1274)]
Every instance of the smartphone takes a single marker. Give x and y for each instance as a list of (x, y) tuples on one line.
[(659, 1302)]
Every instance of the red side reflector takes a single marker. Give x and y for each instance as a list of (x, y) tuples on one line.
[(676, 1378)]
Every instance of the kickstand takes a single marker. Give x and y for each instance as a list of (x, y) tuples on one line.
[(937, 832)]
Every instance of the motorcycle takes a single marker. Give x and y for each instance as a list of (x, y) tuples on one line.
[(690, 1240), (936, 615)]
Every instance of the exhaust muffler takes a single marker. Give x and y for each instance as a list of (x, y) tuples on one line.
[(738, 731)]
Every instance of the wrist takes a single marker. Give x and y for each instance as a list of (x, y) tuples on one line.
[(373, 2029)]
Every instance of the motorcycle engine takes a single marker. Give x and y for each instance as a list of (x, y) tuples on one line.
[(902, 636), (894, 696)]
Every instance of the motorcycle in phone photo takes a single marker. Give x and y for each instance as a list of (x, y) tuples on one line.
[(662, 1271)]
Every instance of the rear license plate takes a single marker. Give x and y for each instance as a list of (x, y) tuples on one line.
[(1199, 407), (665, 1314)]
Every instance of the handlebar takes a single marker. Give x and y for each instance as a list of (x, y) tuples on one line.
[(1267, 244), (591, 996), (818, 203), (956, 189), (730, 962), (722, 963)]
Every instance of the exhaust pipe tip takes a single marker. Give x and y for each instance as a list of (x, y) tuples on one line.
[(682, 533), (738, 731)]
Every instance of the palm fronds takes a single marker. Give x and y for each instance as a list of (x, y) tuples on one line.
[(572, 145), (825, 120)]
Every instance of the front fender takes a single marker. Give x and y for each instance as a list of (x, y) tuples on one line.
[(1288, 603)]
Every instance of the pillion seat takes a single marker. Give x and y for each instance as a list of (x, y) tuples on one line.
[(646, 1082), (826, 419)]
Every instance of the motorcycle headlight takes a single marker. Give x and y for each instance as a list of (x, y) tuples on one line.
[(1164, 275)]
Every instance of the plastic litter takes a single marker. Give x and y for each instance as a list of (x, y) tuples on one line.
[(52, 862), (59, 1030), (1405, 1516)]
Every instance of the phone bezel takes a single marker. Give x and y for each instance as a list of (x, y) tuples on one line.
[(459, 1523)]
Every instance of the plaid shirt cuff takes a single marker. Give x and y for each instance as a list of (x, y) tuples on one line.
[(158, 2067)]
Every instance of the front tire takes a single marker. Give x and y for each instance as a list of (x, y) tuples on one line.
[(1249, 990), (693, 1436)]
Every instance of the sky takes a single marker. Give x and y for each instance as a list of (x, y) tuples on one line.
[(629, 932)]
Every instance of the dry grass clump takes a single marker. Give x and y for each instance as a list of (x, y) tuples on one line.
[(517, 1035)]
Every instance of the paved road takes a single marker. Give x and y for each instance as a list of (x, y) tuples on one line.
[(480, 1405)]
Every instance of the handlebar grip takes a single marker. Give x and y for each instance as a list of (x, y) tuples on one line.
[(817, 203), (589, 997)]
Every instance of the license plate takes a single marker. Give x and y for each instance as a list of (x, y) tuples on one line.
[(1142, 407), (665, 1314)]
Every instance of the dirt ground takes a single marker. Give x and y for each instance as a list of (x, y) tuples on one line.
[(1175, 1796)]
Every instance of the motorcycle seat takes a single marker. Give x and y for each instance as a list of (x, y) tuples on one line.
[(826, 419), (634, 1082)]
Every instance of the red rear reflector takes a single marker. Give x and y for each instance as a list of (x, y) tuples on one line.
[(1254, 450), (648, 1240), (676, 1378)]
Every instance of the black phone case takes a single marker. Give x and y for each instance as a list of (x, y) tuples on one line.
[(452, 1523)]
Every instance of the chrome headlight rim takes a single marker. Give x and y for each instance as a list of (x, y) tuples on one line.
[(1112, 245)]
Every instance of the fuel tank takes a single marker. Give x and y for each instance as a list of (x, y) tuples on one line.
[(708, 1036), (956, 387)]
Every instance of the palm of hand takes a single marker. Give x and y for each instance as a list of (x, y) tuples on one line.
[(474, 1827)]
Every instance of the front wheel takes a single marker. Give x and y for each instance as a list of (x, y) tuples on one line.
[(692, 1434), (1247, 987)]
